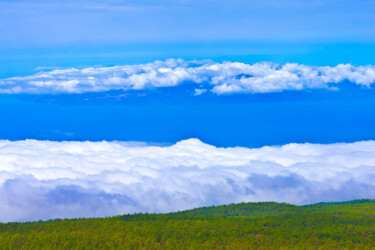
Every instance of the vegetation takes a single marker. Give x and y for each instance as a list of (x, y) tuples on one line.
[(265, 225)]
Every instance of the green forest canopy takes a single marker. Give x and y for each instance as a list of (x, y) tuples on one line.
[(264, 225)]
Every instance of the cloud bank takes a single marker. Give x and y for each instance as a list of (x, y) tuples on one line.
[(46, 179), (219, 78)]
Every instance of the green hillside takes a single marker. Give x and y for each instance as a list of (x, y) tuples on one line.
[(264, 225)]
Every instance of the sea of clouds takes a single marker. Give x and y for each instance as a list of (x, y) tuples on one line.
[(219, 78), (47, 179)]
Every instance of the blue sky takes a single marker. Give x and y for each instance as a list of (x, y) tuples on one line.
[(263, 119), (46, 35), (65, 34), (36, 23)]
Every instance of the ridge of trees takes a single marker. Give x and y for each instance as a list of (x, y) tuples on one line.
[(264, 225)]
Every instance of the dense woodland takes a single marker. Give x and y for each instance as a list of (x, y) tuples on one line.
[(264, 225)]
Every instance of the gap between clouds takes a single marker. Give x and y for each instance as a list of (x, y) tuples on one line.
[(219, 78), (46, 179)]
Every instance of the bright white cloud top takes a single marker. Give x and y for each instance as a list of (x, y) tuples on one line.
[(45, 179), (220, 78)]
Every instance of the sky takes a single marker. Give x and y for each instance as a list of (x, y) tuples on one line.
[(261, 100), (66, 34)]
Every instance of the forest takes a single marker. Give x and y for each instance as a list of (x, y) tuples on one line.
[(262, 225)]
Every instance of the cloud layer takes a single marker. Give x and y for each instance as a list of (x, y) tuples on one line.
[(45, 179), (219, 78)]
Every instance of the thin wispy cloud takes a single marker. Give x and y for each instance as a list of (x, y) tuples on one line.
[(46, 179), (55, 24), (219, 78), (84, 6)]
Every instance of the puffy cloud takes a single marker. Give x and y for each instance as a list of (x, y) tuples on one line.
[(220, 78), (46, 179)]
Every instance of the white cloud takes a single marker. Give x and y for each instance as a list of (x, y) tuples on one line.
[(45, 179), (199, 91), (220, 78)]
